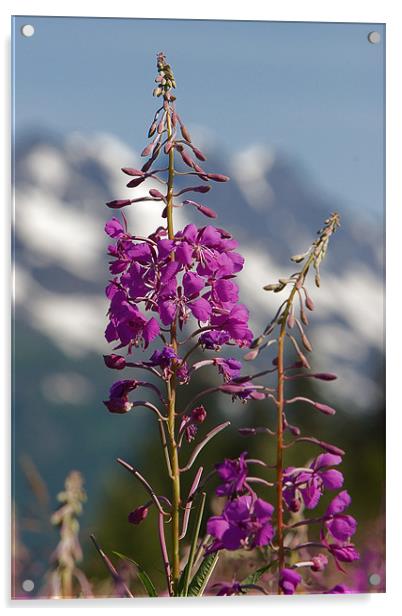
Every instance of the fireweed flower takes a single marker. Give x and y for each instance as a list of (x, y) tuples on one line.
[(118, 396), (309, 484), (233, 473), (146, 274), (245, 522), (228, 590), (189, 424), (339, 525), (288, 581)]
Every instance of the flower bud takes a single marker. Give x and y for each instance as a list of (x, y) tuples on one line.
[(207, 211), (291, 320), (217, 177), (187, 158), (309, 301), (199, 414), (116, 362), (118, 203), (185, 133), (201, 189), (131, 171), (152, 129), (138, 515), (147, 150), (156, 193), (251, 355), (324, 376), (306, 343), (324, 408), (199, 154), (320, 562), (136, 182)]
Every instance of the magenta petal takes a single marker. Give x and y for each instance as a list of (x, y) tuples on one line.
[(216, 526), (184, 253), (192, 284), (339, 503), (264, 535), (167, 311), (232, 538), (342, 527), (150, 331), (201, 309), (326, 459), (332, 479), (262, 509)]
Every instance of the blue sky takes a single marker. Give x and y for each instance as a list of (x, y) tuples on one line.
[(313, 91)]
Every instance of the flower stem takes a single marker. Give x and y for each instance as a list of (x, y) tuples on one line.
[(172, 393), (318, 248)]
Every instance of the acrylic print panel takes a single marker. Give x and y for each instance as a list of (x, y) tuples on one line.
[(214, 423)]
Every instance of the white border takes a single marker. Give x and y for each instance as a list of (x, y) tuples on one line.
[(381, 11)]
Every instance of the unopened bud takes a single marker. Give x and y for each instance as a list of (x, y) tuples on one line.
[(116, 362), (251, 355), (156, 193), (309, 302), (217, 177), (199, 414), (136, 182), (118, 203), (324, 408), (306, 343), (132, 172), (152, 129), (185, 133), (319, 562), (187, 159), (147, 150), (291, 320), (138, 515), (324, 376), (199, 154)]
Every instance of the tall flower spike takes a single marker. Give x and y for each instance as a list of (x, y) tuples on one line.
[(161, 285), (303, 486)]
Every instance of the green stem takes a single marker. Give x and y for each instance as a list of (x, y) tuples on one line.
[(174, 457), (317, 248)]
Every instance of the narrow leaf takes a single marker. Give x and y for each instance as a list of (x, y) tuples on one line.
[(202, 577), (256, 575), (142, 574), (194, 540)]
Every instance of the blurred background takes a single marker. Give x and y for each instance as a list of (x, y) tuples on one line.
[(294, 114)]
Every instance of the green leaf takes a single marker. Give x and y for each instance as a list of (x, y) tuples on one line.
[(255, 576), (142, 574), (201, 578), (185, 577)]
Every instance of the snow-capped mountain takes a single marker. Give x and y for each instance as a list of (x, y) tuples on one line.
[(269, 204)]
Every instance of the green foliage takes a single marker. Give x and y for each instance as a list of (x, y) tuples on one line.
[(142, 574), (201, 578)]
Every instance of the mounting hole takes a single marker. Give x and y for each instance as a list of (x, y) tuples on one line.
[(27, 30), (374, 37), (374, 579), (28, 585)]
